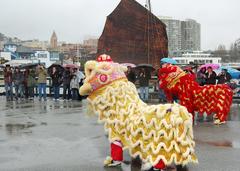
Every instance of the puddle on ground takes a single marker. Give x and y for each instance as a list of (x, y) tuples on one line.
[(16, 127)]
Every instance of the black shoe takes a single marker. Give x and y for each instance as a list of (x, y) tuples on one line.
[(181, 168)]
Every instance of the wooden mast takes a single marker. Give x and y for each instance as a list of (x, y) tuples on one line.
[(148, 5)]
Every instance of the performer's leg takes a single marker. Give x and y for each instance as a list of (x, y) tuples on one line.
[(220, 119), (116, 155), (116, 151)]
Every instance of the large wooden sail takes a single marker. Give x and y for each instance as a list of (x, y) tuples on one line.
[(133, 34)]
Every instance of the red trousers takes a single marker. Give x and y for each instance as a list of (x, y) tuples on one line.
[(116, 151)]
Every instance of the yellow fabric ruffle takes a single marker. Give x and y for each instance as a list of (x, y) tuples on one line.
[(154, 133)]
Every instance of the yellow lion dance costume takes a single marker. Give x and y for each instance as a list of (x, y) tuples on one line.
[(159, 134)]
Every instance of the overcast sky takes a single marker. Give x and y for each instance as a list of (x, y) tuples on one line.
[(73, 20)]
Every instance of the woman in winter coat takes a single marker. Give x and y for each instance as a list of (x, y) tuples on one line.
[(56, 82), (42, 82), (74, 84), (18, 79), (31, 83)]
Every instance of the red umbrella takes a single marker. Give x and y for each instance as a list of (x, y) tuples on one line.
[(70, 66), (187, 68), (214, 66)]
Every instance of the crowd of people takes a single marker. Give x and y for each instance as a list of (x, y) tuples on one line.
[(27, 83), (205, 76), (142, 77), (31, 82)]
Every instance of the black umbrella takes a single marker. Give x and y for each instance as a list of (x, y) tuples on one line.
[(145, 66), (59, 68), (25, 66)]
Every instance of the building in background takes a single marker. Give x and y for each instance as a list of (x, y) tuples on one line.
[(35, 44), (197, 57), (183, 36), (174, 32), (36, 51), (45, 57), (90, 45), (54, 41), (6, 56), (191, 35), (11, 48), (90, 42)]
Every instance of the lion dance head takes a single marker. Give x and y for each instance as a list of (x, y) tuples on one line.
[(101, 73)]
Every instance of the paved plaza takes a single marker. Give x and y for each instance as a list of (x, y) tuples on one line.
[(59, 136)]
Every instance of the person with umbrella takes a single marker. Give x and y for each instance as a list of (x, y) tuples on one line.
[(8, 82), (168, 61), (18, 79), (224, 77), (31, 82), (131, 75), (56, 82), (80, 77), (201, 76), (143, 78), (211, 76), (66, 84), (74, 85), (42, 82)]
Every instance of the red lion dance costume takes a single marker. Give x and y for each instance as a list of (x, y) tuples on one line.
[(210, 98)]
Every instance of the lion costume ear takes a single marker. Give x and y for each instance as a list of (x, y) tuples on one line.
[(89, 67), (123, 68)]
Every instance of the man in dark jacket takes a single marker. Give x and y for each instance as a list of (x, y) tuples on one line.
[(31, 83), (131, 75), (224, 77), (201, 76), (211, 76), (56, 82), (8, 82), (144, 84), (66, 84), (18, 79)]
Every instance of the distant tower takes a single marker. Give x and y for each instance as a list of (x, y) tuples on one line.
[(53, 41)]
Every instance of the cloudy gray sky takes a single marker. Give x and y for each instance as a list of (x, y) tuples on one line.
[(73, 20)]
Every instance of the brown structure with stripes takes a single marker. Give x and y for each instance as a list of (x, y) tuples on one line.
[(133, 34)]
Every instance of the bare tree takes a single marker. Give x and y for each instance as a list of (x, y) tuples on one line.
[(222, 52), (234, 53)]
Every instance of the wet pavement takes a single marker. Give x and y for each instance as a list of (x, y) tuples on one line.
[(59, 136)]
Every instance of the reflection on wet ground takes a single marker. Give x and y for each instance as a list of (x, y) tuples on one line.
[(59, 136)]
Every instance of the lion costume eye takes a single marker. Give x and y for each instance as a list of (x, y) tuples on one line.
[(103, 78)]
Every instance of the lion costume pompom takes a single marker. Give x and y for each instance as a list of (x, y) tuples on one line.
[(210, 98), (159, 134)]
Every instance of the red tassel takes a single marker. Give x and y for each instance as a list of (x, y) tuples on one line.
[(160, 165)]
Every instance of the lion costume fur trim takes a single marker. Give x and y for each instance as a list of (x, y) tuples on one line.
[(154, 133)]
